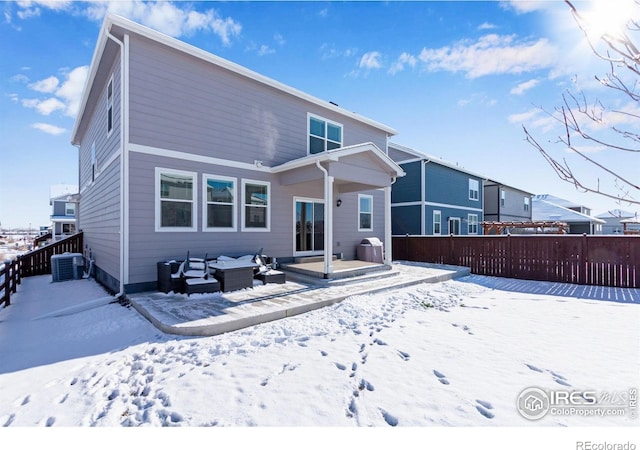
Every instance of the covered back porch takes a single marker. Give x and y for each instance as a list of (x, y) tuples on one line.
[(330, 175)]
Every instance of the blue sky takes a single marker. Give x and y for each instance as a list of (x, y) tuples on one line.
[(456, 79)]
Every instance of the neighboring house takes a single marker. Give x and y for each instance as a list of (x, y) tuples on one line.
[(553, 209), (504, 203), (435, 197), (180, 150), (616, 219), (64, 205)]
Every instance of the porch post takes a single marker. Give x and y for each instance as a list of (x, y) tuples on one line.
[(387, 225), (328, 225)]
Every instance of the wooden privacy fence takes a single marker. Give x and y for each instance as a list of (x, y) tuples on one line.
[(36, 262), (580, 259)]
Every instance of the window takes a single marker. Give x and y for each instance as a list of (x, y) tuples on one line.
[(526, 203), (437, 222), (70, 209), (473, 224), (110, 106), (256, 205), (93, 162), (474, 189), (219, 211), (175, 200), (502, 197), (365, 212), (323, 135)]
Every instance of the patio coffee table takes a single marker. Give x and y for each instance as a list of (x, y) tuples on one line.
[(233, 275)]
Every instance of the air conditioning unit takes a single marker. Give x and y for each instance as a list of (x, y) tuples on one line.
[(67, 266)]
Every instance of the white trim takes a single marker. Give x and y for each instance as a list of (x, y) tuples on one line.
[(476, 190), (205, 210), (243, 226), (423, 213), (445, 205), (110, 104), (155, 151), (409, 161), (326, 132), (158, 200), (388, 241), (416, 203), (370, 197), (455, 219), (124, 133), (477, 224), (433, 223), (306, 200)]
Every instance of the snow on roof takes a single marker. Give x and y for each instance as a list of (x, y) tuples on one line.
[(543, 209)]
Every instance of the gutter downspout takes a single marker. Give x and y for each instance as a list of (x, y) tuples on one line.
[(328, 221), (123, 161), (388, 237)]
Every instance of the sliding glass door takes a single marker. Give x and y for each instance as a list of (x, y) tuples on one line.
[(309, 226)]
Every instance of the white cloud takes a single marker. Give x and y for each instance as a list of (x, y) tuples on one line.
[(48, 85), (173, 18), (279, 39), (534, 119), (523, 87), (265, 50), (486, 26), (405, 59), (523, 117), (525, 6), (48, 128), (71, 90), (44, 107), (328, 51), (491, 54), (370, 60)]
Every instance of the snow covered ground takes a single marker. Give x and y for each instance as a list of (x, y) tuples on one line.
[(452, 354)]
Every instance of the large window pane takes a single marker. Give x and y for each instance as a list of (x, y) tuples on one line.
[(176, 187), (316, 127), (219, 191), (316, 145), (175, 214), (219, 216), (334, 133), (256, 194), (255, 217)]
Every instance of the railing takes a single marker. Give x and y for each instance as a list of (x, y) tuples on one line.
[(580, 259), (9, 280), (36, 262)]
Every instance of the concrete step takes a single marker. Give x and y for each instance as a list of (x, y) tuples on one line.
[(308, 259)]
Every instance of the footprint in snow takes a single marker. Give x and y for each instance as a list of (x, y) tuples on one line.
[(442, 378), (534, 368), (485, 412), (389, 418), (405, 356), (340, 366)]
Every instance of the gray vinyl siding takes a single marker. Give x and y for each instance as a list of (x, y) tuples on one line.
[(398, 155), (182, 103), (99, 206), (513, 208)]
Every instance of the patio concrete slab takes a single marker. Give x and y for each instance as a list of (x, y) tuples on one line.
[(221, 312)]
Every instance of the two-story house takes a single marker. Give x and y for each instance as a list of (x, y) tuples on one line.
[(549, 208), (181, 150), (435, 197), (504, 203), (63, 201)]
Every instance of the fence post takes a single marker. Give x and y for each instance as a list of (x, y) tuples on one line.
[(7, 283), (583, 260), (509, 261)]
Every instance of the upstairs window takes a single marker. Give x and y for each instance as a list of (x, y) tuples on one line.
[(526, 203), (110, 106), (474, 189), (323, 135), (503, 196), (69, 209)]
